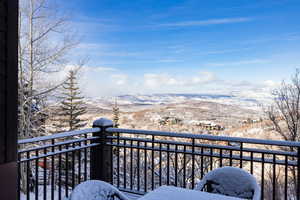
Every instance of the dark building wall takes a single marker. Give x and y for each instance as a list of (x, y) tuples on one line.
[(8, 80), (8, 97), (2, 79)]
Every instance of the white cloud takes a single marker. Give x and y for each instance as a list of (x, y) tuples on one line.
[(120, 54), (207, 22), (119, 79), (169, 60), (84, 26), (107, 81), (223, 51), (271, 84), (270, 38), (103, 81), (93, 46), (98, 69), (236, 63), (95, 81), (102, 50), (204, 77), (158, 80), (261, 91), (207, 82), (165, 80), (59, 76)]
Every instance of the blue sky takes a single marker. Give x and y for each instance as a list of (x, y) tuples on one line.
[(193, 46)]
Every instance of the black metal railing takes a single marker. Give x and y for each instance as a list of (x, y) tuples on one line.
[(143, 160), (50, 166), (138, 161)]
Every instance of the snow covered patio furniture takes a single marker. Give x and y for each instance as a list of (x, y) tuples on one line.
[(96, 190), (230, 181), (176, 193)]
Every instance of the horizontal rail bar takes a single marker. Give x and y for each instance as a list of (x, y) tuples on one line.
[(232, 148), (57, 144), (208, 154), (59, 135), (71, 149), (205, 137)]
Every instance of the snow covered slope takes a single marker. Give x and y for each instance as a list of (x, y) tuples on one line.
[(161, 99)]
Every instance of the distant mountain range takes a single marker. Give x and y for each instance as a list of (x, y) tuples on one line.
[(172, 98), (187, 96)]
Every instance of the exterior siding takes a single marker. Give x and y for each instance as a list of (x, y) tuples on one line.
[(2, 79), (8, 98), (8, 79), (12, 81)]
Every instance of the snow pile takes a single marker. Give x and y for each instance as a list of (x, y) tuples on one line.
[(231, 181), (96, 190), (176, 193)]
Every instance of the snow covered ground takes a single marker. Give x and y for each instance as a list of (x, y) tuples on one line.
[(41, 193)]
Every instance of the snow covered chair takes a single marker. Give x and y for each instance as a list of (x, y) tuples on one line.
[(96, 190), (230, 181)]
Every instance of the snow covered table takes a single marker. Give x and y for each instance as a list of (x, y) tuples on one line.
[(176, 193)]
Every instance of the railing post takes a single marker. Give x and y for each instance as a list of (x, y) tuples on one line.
[(101, 160)]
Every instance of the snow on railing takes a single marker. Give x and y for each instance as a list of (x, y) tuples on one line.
[(58, 135)]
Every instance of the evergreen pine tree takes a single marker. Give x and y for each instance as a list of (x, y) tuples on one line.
[(116, 113), (71, 106)]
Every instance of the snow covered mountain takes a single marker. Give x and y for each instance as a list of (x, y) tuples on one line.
[(161, 99)]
